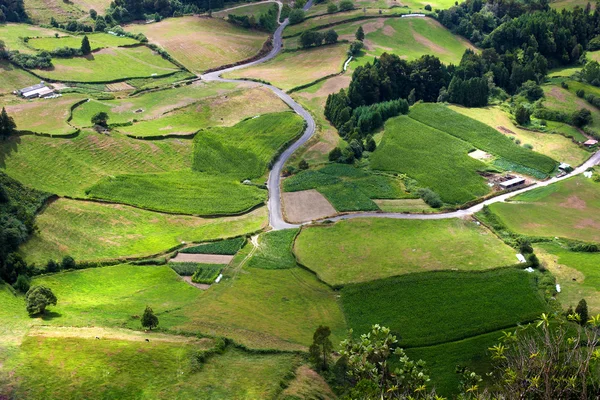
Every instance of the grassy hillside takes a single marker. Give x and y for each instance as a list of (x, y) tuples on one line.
[(12, 35), (94, 231), (434, 158), (292, 69), (364, 249), (566, 209), (13, 78), (426, 309), (479, 135), (202, 43), (97, 41)]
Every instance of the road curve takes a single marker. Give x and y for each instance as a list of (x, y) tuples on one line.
[(274, 205)]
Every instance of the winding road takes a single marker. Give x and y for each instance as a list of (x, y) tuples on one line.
[(274, 205)]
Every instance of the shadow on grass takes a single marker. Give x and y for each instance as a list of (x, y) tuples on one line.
[(50, 315)]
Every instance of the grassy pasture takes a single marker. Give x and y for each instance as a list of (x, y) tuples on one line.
[(227, 247), (275, 250), (567, 101), (45, 115), (13, 78), (244, 150), (97, 41), (569, 4), (434, 158), (13, 34), (347, 188), (553, 145), (152, 105), (68, 166), (75, 368), (158, 81), (481, 136), (94, 231), (181, 192), (41, 11), (221, 110), (202, 43), (108, 65), (565, 209), (433, 308), (576, 272), (250, 9), (292, 69), (365, 249)]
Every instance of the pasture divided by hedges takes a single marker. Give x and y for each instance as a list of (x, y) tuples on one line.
[(12, 35), (438, 307), (434, 158), (97, 41), (479, 135), (365, 249)]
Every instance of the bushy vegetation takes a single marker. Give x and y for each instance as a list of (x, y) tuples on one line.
[(184, 268), (266, 21), (206, 273), (227, 247), (438, 307), (275, 250)]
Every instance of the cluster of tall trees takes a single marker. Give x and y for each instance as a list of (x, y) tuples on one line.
[(316, 38), (12, 11), (266, 21)]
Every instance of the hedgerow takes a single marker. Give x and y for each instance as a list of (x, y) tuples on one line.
[(227, 247)]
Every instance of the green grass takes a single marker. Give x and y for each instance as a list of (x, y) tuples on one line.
[(347, 188), (44, 116), (576, 272), (274, 250), (207, 273), (97, 41), (438, 307), (184, 268), (13, 35), (480, 135), (75, 368), (69, 166), (13, 78), (442, 360), (202, 43), (434, 158), (227, 247), (109, 65), (364, 249), (181, 192), (245, 149), (250, 9), (94, 231), (154, 82), (565, 209), (565, 100)]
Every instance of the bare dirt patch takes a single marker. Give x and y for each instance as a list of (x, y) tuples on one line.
[(436, 48), (480, 155), (557, 94), (587, 223), (306, 205), (389, 30), (119, 87), (574, 202), (201, 286), (331, 85), (374, 26), (505, 130), (202, 258)]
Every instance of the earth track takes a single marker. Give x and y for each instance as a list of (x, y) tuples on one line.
[(274, 205)]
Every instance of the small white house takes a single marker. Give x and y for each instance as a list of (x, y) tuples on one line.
[(521, 258)]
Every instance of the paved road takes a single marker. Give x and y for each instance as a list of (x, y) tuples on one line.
[(274, 183)]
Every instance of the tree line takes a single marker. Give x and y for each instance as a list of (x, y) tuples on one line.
[(266, 21)]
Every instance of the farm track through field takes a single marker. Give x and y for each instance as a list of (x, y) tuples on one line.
[(274, 205)]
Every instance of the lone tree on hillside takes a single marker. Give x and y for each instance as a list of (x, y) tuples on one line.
[(149, 320), (101, 119), (360, 34), (38, 298), (85, 46), (7, 124), (321, 347)]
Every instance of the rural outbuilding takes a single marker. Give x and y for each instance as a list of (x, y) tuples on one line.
[(590, 143), (512, 183), (565, 167)]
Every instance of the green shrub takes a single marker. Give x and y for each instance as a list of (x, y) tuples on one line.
[(227, 247), (206, 273), (22, 284), (184, 268)]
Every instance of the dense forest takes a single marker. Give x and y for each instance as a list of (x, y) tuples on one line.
[(12, 11)]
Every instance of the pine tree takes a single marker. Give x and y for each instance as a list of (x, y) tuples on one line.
[(582, 311), (85, 46), (360, 34), (321, 348), (149, 320), (7, 124)]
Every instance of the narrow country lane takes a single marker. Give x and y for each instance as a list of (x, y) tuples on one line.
[(274, 205)]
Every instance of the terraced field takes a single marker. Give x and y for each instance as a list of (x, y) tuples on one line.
[(361, 250), (192, 41)]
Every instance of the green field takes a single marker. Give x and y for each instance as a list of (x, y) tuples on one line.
[(228, 247), (94, 231), (250, 9), (13, 78), (438, 307), (565, 100), (365, 249), (206, 273), (347, 188), (202, 43), (181, 192), (553, 144), (41, 11), (110, 64), (47, 116), (479, 135), (275, 250), (576, 272), (434, 158), (12, 35), (566, 209), (75, 368), (97, 41), (291, 69)]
